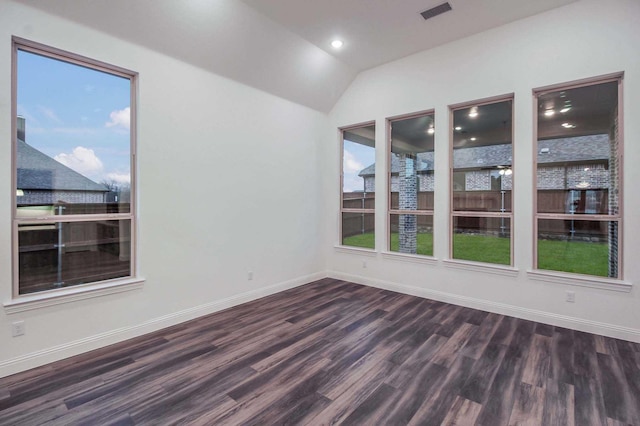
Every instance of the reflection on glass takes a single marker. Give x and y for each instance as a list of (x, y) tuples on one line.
[(65, 254), (412, 163), (358, 168), (578, 246), (482, 239), (483, 158), (578, 174), (358, 230), (412, 234), (577, 150)]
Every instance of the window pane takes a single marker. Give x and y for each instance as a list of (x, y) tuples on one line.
[(577, 149), (579, 246), (412, 162), (482, 158), (73, 145), (412, 234), (358, 230), (482, 239), (358, 167), (71, 253)]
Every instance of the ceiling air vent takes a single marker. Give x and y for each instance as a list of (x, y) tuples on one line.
[(435, 11)]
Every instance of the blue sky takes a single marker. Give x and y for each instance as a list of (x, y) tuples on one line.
[(355, 158), (76, 115)]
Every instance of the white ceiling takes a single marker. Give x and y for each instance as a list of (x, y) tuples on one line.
[(380, 31), (283, 46)]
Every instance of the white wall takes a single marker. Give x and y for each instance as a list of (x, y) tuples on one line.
[(582, 40), (228, 182)]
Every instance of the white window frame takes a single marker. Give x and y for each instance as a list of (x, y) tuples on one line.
[(21, 302), (468, 213), (343, 210), (573, 278), (390, 210)]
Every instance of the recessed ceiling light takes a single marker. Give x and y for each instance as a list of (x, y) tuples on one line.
[(549, 112), (337, 44), (565, 109), (458, 128)]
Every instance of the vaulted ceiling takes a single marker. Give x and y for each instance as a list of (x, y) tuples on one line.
[(283, 46)]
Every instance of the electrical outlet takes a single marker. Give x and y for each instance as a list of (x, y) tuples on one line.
[(17, 328), (250, 275), (571, 296)]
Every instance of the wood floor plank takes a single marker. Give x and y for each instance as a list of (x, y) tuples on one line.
[(561, 367), (536, 369), (559, 408), (462, 413), (589, 404), (499, 401), (434, 409), (528, 407), (335, 352), (619, 400), (481, 377)]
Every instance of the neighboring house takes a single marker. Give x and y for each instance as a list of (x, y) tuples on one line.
[(568, 163), (42, 180)]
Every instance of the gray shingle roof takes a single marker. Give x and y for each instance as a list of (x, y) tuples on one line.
[(37, 170), (577, 149)]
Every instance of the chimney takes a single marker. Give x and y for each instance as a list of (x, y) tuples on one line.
[(21, 128)]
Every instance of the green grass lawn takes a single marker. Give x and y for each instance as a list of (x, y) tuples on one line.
[(481, 248), (574, 256), (565, 256)]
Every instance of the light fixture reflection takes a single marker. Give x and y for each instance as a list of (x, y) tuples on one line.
[(568, 126), (473, 139), (458, 128), (473, 113), (431, 130), (337, 44), (549, 112)]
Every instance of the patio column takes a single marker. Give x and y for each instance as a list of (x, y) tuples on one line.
[(614, 197), (408, 200)]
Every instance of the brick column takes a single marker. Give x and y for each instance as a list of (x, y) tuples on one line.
[(408, 200), (614, 196)]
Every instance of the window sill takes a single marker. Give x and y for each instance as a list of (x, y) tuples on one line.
[(410, 258), (580, 280), (489, 268), (355, 250), (71, 294)]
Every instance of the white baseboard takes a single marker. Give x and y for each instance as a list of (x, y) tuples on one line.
[(56, 353), (573, 323)]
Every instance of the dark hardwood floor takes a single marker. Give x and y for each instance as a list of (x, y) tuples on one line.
[(333, 352)]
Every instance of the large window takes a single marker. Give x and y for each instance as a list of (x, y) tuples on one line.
[(411, 184), (73, 170), (358, 186), (578, 214), (482, 181)]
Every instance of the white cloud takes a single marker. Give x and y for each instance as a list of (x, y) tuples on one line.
[(82, 160), (351, 164), (120, 119), (119, 178), (50, 114)]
